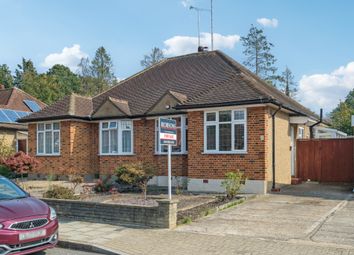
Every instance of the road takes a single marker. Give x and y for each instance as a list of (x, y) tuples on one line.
[(59, 251)]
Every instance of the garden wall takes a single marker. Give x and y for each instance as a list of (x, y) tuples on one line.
[(162, 216)]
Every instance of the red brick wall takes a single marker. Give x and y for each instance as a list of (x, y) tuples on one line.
[(79, 150), (214, 166), (144, 150)]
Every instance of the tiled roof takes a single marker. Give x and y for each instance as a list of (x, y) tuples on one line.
[(14, 99), (197, 80)]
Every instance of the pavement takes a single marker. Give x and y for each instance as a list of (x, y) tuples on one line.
[(60, 251), (304, 219)]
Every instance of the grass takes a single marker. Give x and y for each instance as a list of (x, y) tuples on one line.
[(186, 220)]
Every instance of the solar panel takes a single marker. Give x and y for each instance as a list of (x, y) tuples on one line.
[(3, 117), (11, 114), (22, 114), (32, 105)]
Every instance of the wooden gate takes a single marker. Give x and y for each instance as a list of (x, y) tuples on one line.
[(325, 160)]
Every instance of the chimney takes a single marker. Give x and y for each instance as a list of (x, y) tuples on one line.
[(202, 48), (2, 86)]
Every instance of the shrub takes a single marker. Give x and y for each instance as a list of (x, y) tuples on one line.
[(60, 192), (76, 180), (6, 172), (21, 163), (137, 174), (232, 183), (102, 185)]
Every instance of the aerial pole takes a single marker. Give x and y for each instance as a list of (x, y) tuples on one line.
[(211, 25)]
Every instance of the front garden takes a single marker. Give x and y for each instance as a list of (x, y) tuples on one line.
[(128, 186)]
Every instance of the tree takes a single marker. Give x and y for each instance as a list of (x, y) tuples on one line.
[(102, 70), (258, 55), (66, 81), (24, 71), (154, 57), (288, 85), (341, 115), (88, 82), (6, 78)]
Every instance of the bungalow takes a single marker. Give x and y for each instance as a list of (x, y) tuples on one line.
[(15, 104), (227, 119)]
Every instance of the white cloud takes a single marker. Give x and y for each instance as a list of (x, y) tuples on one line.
[(179, 45), (69, 56), (268, 22), (186, 3), (326, 90)]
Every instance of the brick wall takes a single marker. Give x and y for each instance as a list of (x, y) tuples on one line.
[(214, 166), (162, 216), (78, 153), (79, 150)]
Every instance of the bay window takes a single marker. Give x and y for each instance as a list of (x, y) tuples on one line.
[(48, 138), (182, 136), (116, 137), (225, 131)]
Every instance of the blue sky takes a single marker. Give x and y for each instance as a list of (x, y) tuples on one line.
[(314, 38)]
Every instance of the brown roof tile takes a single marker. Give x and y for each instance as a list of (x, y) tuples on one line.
[(196, 80)]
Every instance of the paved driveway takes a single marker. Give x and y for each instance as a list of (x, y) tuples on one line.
[(307, 212)]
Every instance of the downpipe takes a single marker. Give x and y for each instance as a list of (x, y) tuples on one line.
[(273, 149)]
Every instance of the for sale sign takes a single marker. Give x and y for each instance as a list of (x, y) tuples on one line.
[(168, 132)]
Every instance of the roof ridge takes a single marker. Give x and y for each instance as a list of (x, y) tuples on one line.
[(24, 92), (118, 100), (82, 96), (71, 110)]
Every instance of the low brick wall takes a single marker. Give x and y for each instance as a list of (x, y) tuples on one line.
[(162, 216)]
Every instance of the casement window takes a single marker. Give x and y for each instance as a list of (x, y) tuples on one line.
[(48, 138), (225, 131), (182, 136), (300, 133), (116, 137)]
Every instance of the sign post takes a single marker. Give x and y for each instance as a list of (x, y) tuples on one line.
[(168, 136)]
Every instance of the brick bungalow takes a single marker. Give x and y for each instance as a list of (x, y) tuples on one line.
[(224, 115)]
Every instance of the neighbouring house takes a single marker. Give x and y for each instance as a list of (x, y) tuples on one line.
[(224, 113), (15, 104)]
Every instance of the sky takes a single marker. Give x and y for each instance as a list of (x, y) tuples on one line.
[(314, 38)]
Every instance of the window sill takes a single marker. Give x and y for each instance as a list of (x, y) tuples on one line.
[(48, 155), (173, 154), (112, 154), (225, 152)]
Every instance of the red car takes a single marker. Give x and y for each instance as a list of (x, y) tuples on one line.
[(27, 225)]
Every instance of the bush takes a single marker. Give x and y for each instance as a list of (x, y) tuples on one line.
[(233, 182), (6, 172), (137, 174), (59, 192), (76, 180), (21, 163), (102, 185)]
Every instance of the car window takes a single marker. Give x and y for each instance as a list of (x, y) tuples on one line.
[(8, 190)]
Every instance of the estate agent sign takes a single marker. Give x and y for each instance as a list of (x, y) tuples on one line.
[(168, 136)]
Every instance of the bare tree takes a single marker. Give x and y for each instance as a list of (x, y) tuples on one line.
[(154, 57)]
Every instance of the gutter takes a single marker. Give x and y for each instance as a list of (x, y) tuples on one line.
[(317, 123), (273, 148)]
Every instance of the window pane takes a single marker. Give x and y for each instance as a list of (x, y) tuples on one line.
[(114, 140), (239, 137), (48, 142), (157, 141), (126, 141), (239, 115), (211, 116), (164, 148), (48, 126), (178, 147), (56, 126), (113, 124), (41, 142), (127, 125), (105, 142), (225, 137), (224, 116), (56, 142), (211, 137), (178, 121), (41, 126), (105, 125)]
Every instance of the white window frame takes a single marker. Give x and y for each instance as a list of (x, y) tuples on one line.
[(184, 129), (301, 131), (119, 137), (44, 138), (232, 122)]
